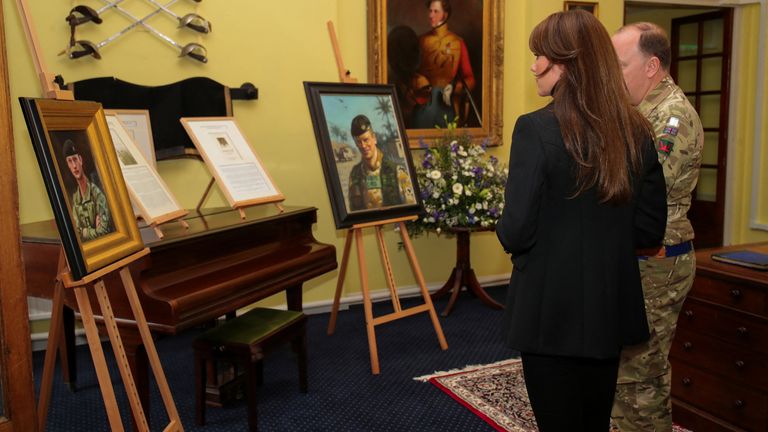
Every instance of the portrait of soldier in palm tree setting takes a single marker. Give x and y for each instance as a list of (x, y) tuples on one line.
[(368, 152)]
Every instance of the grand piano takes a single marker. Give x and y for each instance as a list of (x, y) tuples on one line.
[(219, 264)]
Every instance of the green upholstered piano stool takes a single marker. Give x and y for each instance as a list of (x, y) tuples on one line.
[(246, 339)]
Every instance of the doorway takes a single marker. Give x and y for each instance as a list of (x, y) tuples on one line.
[(701, 59)]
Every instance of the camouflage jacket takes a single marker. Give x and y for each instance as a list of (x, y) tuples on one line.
[(86, 208), (679, 142), (370, 190)]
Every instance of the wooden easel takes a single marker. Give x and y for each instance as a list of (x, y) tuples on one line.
[(239, 209), (370, 322), (357, 232), (95, 280)]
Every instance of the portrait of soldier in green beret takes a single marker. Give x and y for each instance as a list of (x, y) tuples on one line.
[(90, 211)]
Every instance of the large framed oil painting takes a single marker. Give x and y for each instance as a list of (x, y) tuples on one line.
[(445, 59), (364, 151)]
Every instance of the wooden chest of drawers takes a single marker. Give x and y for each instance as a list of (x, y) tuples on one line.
[(720, 352)]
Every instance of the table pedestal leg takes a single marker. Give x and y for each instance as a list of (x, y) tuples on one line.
[(463, 275)]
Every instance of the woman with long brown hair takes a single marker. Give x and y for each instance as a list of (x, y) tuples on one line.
[(585, 190)]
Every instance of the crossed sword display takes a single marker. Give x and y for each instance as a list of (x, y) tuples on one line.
[(82, 14)]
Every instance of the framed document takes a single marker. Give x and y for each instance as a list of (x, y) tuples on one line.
[(232, 161), (148, 191), (85, 186), (136, 123)]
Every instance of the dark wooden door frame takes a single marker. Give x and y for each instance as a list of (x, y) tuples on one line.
[(15, 343), (709, 218)]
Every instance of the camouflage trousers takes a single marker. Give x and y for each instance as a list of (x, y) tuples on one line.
[(642, 401)]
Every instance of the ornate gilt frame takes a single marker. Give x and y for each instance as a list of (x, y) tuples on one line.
[(46, 120), (492, 65)]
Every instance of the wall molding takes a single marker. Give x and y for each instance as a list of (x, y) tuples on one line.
[(758, 189)]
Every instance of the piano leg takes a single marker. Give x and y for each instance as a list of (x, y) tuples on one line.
[(293, 298), (67, 353)]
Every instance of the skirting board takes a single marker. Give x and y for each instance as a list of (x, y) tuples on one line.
[(39, 340)]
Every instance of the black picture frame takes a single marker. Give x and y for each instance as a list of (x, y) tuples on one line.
[(333, 107), (106, 230)]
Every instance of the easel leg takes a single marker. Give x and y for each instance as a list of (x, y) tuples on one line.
[(422, 285), (149, 346), (340, 283), (129, 383), (97, 354), (367, 306), (54, 337), (388, 270)]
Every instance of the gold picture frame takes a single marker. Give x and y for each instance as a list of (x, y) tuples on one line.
[(590, 7), (397, 55), (85, 186)]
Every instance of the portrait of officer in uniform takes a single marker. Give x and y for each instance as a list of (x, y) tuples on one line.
[(375, 182), (91, 216), (434, 57)]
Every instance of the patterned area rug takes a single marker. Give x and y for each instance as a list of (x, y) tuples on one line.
[(494, 392)]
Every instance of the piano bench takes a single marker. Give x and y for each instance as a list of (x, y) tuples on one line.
[(246, 340)]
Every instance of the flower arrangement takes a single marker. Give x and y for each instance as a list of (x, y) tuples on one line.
[(459, 185)]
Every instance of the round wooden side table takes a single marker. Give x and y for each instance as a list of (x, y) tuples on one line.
[(462, 274)]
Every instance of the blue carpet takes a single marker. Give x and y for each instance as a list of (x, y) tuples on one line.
[(343, 395)]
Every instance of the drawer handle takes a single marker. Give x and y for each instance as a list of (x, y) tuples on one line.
[(687, 381), (687, 346), (743, 331), (689, 313), (739, 364), (738, 403), (735, 293)]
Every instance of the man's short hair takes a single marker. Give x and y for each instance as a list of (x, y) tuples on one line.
[(653, 42), (69, 148), (446, 4), (360, 125)]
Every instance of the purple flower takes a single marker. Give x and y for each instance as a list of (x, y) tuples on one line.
[(454, 147)]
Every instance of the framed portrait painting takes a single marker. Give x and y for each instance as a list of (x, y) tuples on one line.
[(84, 183), (445, 60), (364, 152)]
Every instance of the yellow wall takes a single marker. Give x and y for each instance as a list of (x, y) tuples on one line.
[(743, 134), (275, 47)]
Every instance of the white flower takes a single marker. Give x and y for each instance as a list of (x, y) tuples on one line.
[(435, 194), (435, 174), (457, 188), (467, 192), (471, 210), (479, 206), (438, 230)]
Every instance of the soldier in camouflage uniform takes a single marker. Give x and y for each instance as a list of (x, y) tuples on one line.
[(642, 401), (374, 182), (89, 205)]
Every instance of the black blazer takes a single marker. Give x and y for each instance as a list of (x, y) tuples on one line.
[(575, 289)]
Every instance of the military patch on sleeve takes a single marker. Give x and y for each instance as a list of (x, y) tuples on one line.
[(665, 145), (667, 140), (671, 128)]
